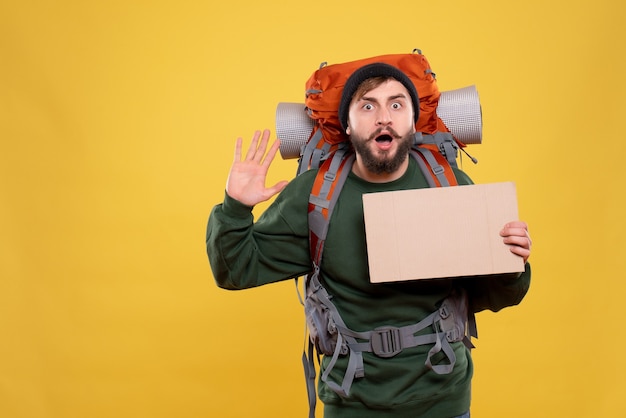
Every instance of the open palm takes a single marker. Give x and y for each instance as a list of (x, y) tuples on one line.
[(246, 180)]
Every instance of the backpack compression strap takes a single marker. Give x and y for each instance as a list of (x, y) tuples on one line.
[(313, 152), (317, 150)]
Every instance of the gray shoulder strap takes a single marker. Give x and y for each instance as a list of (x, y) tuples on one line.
[(318, 223), (433, 168)]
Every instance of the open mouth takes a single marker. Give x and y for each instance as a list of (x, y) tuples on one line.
[(384, 139)]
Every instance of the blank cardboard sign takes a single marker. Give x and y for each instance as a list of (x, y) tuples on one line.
[(440, 232)]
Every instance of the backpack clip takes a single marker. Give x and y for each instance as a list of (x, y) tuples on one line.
[(438, 170), (329, 176), (386, 341)]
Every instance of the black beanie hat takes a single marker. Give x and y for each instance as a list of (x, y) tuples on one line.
[(376, 69)]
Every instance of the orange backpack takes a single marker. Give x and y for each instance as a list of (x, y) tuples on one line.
[(325, 86), (312, 132)]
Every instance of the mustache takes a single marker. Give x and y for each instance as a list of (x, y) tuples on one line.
[(391, 131)]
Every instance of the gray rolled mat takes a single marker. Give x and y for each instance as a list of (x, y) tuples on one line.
[(460, 110), (293, 128)]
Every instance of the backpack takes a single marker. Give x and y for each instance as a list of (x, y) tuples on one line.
[(313, 134), (311, 131)]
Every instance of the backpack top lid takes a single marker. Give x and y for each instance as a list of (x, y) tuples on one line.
[(325, 87)]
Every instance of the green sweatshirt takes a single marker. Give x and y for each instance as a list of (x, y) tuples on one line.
[(244, 254)]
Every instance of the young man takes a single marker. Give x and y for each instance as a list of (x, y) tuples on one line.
[(378, 110)]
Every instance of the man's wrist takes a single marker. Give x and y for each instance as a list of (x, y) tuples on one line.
[(235, 207)]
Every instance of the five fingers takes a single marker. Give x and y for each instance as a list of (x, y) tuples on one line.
[(246, 180), (257, 148)]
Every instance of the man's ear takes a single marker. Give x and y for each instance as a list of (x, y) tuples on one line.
[(348, 130)]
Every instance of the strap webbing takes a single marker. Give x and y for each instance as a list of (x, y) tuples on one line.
[(309, 374), (444, 143), (424, 169), (332, 175), (384, 342), (313, 152), (436, 169)]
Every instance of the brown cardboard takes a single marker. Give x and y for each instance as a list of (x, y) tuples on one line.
[(440, 232)]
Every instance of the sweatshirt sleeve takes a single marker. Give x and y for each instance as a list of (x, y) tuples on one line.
[(245, 254), (497, 292)]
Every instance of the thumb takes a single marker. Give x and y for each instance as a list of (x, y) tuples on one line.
[(278, 187)]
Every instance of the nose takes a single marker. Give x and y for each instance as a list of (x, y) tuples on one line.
[(383, 116)]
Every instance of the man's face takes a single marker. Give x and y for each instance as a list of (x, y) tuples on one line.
[(381, 127)]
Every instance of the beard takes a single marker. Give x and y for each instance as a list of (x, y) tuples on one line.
[(382, 162)]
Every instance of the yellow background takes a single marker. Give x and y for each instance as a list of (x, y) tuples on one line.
[(117, 123)]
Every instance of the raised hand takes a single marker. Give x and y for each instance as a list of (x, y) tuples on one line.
[(515, 235), (246, 180)]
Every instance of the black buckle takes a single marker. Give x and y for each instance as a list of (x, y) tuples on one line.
[(386, 341)]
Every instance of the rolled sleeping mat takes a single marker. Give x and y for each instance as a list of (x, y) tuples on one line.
[(459, 109), (293, 128), (461, 112)]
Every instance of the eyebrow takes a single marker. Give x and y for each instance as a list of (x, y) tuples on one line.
[(394, 97)]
